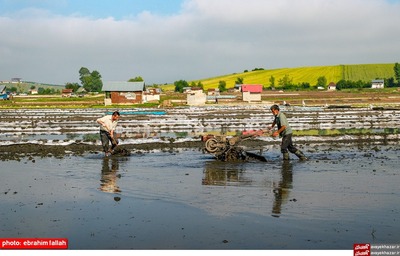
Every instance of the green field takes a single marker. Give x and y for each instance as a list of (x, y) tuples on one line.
[(363, 72)]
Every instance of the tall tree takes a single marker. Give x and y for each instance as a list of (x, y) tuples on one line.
[(179, 85), (222, 86), (272, 81), (91, 81), (397, 72), (285, 81), (84, 75), (322, 82), (97, 84), (239, 80)]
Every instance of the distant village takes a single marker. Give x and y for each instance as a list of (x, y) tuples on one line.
[(125, 93)]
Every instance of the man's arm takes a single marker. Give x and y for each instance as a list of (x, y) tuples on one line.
[(276, 133)]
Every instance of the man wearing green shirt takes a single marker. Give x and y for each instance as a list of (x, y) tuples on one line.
[(285, 132)]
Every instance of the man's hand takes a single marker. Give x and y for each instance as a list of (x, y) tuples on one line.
[(107, 129)]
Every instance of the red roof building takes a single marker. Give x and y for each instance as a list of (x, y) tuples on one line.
[(251, 92), (252, 88)]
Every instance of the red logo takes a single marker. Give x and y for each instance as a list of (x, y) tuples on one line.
[(362, 249)]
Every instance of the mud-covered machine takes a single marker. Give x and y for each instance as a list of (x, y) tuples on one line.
[(226, 148)]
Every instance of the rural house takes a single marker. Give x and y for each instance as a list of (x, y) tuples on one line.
[(331, 86), (152, 95), (251, 92), (123, 92), (66, 92), (196, 97), (377, 84)]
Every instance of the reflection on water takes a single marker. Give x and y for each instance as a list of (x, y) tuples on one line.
[(110, 175), (219, 173), (282, 189)]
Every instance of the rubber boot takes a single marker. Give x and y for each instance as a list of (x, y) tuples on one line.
[(300, 155), (286, 157)]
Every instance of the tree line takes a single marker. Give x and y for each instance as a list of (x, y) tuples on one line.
[(91, 82)]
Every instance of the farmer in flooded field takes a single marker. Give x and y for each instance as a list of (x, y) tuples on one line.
[(285, 132), (107, 132)]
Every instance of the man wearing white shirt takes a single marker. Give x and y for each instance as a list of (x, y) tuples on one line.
[(107, 131)]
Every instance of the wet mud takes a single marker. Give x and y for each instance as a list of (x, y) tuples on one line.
[(169, 193)]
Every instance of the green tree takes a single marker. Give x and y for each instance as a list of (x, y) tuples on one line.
[(285, 82), (200, 85), (97, 84), (91, 81), (239, 80), (322, 82), (272, 81), (84, 75), (179, 85), (73, 86), (389, 82), (222, 86), (136, 79), (304, 85), (397, 72)]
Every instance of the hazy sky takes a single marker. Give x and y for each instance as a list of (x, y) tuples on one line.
[(168, 40)]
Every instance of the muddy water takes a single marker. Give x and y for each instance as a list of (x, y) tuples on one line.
[(184, 199)]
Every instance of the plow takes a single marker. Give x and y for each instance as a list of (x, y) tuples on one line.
[(226, 148)]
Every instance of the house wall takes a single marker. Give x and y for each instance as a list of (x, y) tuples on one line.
[(126, 97), (247, 96), (196, 98), (377, 85), (151, 97), (107, 102)]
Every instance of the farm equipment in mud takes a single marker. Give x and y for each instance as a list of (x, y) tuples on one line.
[(227, 149)]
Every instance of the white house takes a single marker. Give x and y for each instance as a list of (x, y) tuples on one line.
[(196, 97), (377, 84), (331, 86)]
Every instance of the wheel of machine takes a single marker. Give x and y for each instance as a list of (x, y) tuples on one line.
[(211, 145)]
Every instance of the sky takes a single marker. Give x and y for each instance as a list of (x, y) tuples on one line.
[(164, 41)]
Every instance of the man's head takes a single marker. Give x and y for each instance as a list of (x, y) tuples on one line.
[(274, 109), (115, 116)]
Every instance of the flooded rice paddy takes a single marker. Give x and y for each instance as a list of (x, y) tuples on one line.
[(178, 197)]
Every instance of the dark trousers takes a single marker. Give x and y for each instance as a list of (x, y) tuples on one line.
[(106, 139), (287, 144)]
